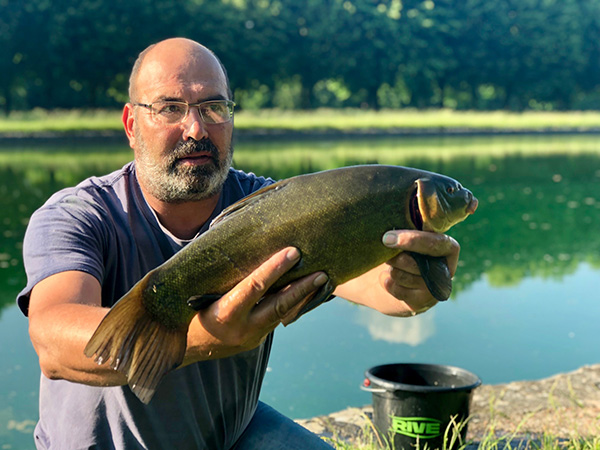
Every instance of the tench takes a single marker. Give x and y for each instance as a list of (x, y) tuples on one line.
[(336, 219)]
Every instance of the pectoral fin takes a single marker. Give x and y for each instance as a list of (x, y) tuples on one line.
[(309, 303), (198, 302), (436, 274)]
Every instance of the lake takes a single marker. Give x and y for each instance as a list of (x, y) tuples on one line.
[(525, 300)]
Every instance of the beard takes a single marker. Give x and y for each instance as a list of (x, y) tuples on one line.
[(171, 182)]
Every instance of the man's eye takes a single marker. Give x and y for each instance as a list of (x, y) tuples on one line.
[(214, 108), (171, 109)]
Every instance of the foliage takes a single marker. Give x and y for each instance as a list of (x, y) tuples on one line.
[(467, 54)]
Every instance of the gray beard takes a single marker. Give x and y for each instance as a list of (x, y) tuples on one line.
[(171, 182)]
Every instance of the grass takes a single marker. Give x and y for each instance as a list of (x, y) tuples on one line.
[(491, 440), (353, 119), (60, 121), (343, 120), (576, 420), (374, 441)]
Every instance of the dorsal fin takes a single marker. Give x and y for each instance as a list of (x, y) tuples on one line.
[(256, 196)]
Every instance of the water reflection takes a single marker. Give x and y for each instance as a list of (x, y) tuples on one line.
[(412, 332)]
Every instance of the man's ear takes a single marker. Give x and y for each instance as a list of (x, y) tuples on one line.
[(128, 123)]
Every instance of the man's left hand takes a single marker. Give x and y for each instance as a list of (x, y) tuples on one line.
[(397, 288), (403, 279)]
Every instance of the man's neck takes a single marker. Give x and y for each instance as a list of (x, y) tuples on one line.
[(183, 220)]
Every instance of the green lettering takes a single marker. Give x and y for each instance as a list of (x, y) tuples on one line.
[(399, 425), (433, 429), (417, 427)]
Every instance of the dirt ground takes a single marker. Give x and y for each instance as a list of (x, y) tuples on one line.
[(563, 406)]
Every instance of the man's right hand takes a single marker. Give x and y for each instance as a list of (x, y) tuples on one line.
[(244, 317)]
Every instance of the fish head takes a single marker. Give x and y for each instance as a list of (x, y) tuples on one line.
[(439, 202)]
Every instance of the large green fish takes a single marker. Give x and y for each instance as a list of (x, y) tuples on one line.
[(336, 218)]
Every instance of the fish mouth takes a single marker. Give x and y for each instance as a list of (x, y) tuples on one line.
[(415, 213), (473, 203)]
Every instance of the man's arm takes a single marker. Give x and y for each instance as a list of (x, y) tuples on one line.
[(396, 288), (64, 312)]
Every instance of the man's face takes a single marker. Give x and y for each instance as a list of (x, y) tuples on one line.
[(192, 170), (186, 161)]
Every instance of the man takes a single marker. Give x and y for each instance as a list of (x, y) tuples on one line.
[(89, 244)]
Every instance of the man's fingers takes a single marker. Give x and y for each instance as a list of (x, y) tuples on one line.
[(425, 243), (406, 263), (404, 280), (273, 309), (242, 298), (410, 288), (409, 277)]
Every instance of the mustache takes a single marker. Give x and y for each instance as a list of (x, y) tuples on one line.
[(192, 146)]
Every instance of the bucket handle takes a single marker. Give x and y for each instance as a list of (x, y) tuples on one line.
[(372, 390)]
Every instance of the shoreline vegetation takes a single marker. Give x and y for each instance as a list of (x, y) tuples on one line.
[(556, 413), (322, 122)]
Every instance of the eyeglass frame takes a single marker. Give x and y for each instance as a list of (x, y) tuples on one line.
[(229, 103)]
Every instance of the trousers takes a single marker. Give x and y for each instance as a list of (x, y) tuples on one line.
[(271, 430)]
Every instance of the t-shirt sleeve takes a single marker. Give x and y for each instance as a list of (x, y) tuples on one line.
[(62, 236), (241, 184)]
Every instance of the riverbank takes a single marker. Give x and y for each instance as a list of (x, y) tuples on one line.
[(565, 406), (318, 123), (7, 137)]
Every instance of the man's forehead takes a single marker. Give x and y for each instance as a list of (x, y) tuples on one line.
[(187, 75)]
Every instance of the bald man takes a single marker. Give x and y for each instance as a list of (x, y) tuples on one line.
[(89, 244)]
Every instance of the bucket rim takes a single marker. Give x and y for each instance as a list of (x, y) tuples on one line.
[(392, 386)]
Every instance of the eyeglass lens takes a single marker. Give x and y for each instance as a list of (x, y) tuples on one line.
[(219, 111)]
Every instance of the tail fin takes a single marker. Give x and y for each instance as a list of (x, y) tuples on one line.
[(136, 344)]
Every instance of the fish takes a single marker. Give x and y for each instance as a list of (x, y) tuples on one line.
[(335, 218)]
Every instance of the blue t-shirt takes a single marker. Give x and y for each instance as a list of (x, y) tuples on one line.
[(104, 227)]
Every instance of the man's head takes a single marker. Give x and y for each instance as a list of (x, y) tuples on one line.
[(188, 159)]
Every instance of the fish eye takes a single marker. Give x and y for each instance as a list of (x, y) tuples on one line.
[(450, 190)]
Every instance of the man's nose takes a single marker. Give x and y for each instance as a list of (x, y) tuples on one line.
[(193, 126)]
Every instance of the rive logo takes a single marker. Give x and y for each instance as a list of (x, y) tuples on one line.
[(417, 427)]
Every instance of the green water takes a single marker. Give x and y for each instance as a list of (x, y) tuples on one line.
[(525, 296)]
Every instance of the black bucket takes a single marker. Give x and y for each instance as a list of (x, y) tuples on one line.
[(420, 405)]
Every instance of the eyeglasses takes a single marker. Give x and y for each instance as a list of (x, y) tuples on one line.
[(213, 111)]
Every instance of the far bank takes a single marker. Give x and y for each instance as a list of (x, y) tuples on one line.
[(321, 122)]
